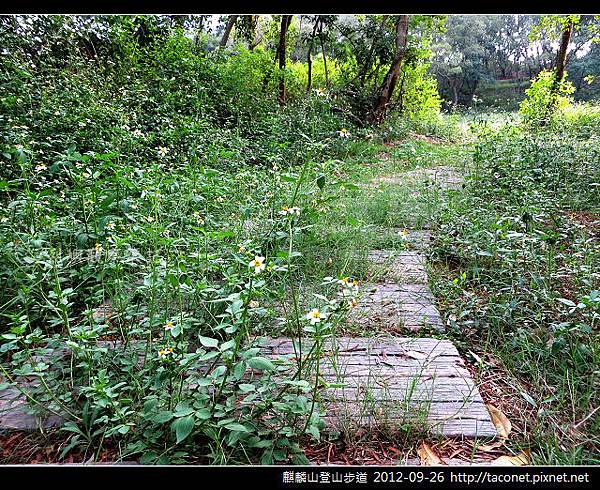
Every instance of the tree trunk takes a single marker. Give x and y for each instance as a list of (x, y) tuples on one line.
[(308, 56), (324, 55), (401, 95), (561, 57), (281, 49), (228, 28), (455, 93), (389, 83), (559, 73)]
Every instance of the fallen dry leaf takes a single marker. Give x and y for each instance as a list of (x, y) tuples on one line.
[(478, 359), (490, 447), (519, 460), (502, 424), (428, 456), (395, 451)]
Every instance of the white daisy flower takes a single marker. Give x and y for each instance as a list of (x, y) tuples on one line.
[(164, 353), (199, 218), (315, 316), (258, 263)]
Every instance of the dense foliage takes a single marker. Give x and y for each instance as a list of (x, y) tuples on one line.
[(164, 207), (522, 254)]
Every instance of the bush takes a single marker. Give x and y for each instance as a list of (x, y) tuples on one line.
[(540, 103)]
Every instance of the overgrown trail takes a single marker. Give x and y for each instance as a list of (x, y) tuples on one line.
[(391, 369), (394, 370)]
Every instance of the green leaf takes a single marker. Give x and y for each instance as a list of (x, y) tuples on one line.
[(150, 405), (182, 409), (209, 355), (227, 345), (261, 363), (176, 330), (183, 427), (321, 181), (300, 459), (288, 178), (218, 371), (162, 417), (237, 427), (203, 413), (208, 341), (267, 457), (148, 457), (239, 369), (204, 382)]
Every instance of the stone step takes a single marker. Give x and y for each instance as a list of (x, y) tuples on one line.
[(391, 307), (394, 381), (16, 415), (400, 267), (444, 177)]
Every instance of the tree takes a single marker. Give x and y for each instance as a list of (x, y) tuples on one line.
[(561, 56), (230, 23), (386, 90), (555, 26), (309, 53), (281, 55)]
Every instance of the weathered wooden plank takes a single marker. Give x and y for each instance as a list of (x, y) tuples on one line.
[(395, 305), (432, 411), (416, 394), (387, 374), (468, 428), (371, 345), (351, 361), (413, 239), (395, 380), (405, 257), (442, 176), (15, 414)]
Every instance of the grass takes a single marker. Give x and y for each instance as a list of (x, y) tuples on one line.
[(505, 285), (513, 303), (547, 391)]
